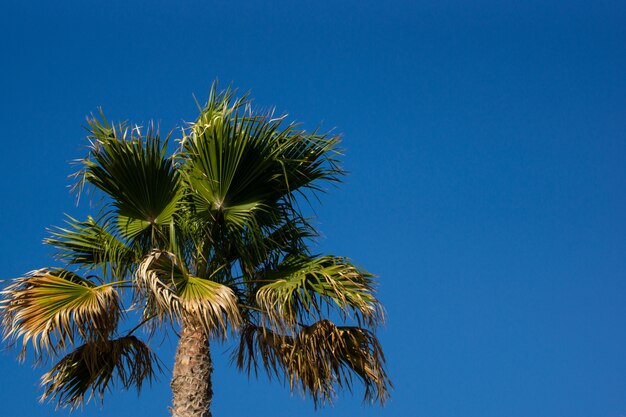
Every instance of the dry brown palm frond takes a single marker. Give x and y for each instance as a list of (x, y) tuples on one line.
[(175, 293), (50, 307), (318, 360), (92, 367)]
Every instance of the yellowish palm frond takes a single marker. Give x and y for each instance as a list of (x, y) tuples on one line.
[(175, 293), (301, 286), (48, 308)]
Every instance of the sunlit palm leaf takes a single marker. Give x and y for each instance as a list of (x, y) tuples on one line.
[(50, 307), (92, 368), (183, 296), (317, 360), (301, 284), (134, 171), (228, 173), (212, 304), (90, 245), (307, 158), (241, 165), (156, 277)]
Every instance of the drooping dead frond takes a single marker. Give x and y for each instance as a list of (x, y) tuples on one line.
[(301, 286), (318, 359), (50, 307), (90, 370), (175, 293)]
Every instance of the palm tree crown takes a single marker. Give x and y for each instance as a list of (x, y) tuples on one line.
[(210, 239)]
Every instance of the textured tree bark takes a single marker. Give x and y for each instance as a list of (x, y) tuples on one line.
[(192, 390)]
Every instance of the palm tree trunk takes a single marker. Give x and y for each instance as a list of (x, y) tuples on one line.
[(191, 382)]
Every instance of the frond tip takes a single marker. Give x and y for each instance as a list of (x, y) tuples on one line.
[(90, 369)]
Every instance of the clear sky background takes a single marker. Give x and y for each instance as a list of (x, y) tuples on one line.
[(486, 142)]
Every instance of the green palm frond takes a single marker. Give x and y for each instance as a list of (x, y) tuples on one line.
[(91, 245), (289, 237), (228, 173), (301, 284), (241, 171), (133, 170), (176, 293), (240, 165), (318, 360), (92, 368), (308, 158), (286, 238), (50, 307)]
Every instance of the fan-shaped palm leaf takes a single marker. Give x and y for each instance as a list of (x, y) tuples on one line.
[(176, 293), (300, 284), (240, 165), (49, 307), (90, 245), (134, 172)]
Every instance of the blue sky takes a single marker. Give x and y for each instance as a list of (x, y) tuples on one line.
[(486, 143)]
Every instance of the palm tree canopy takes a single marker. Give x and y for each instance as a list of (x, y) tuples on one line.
[(211, 234)]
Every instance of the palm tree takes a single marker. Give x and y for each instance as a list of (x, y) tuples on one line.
[(209, 242)]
